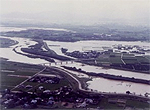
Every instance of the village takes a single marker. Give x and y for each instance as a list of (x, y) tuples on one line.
[(64, 97), (125, 57), (47, 99), (46, 90)]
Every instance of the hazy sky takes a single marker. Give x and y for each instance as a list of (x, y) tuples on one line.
[(77, 11)]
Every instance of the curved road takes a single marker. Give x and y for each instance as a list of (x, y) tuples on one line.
[(102, 93)]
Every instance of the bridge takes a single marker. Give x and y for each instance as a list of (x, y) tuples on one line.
[(66, 62), (57, 63)]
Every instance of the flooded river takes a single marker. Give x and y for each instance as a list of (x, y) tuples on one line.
[(99, 84), (12, 56)]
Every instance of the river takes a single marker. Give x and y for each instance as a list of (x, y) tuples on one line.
[(12, 56), (99, 84)]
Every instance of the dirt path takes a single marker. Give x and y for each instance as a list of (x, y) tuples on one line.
[(20, 76), (29, 78)]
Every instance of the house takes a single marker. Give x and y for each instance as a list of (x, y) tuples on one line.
[(51, 98), (34, 101), (46, 91), (87, 100), (50, 102), (82, 105), (28, 86), (9, 103)]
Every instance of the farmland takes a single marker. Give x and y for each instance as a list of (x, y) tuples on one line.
[(16, 73), (125, 61)]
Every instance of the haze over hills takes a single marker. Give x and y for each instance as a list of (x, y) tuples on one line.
[(89, 12), (119, 17)]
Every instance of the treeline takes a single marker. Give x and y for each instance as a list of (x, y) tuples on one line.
[(135, 67), (81, 34), (108, 76)]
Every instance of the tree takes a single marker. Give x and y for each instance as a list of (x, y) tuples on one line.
[(127, 92)]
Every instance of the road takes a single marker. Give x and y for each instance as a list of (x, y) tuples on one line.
[(65, 71), (102, 93), (29, 78), (122, 59)]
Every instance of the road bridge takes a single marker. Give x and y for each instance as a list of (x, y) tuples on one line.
[(66, 62)]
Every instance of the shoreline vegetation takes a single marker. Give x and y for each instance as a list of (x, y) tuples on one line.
[(33, 56), (108, 76), (36, 51), (48, 53)]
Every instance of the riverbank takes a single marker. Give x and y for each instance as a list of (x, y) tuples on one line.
[(33, 56), (108, 76), (98, 98)]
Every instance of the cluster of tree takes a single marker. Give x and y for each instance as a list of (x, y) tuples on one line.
[(34, 56), (84, 55), (135, 67), (37, 50)]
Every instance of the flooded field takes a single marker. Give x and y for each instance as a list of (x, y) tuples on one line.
[(104, 85)]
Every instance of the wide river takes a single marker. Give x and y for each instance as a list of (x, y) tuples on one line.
[(98, 84)]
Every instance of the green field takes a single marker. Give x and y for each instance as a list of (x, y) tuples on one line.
[(121, 61), (116, 60), (143, 59), (11, 68), (130, 60), (9, 81), (25, 70)]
